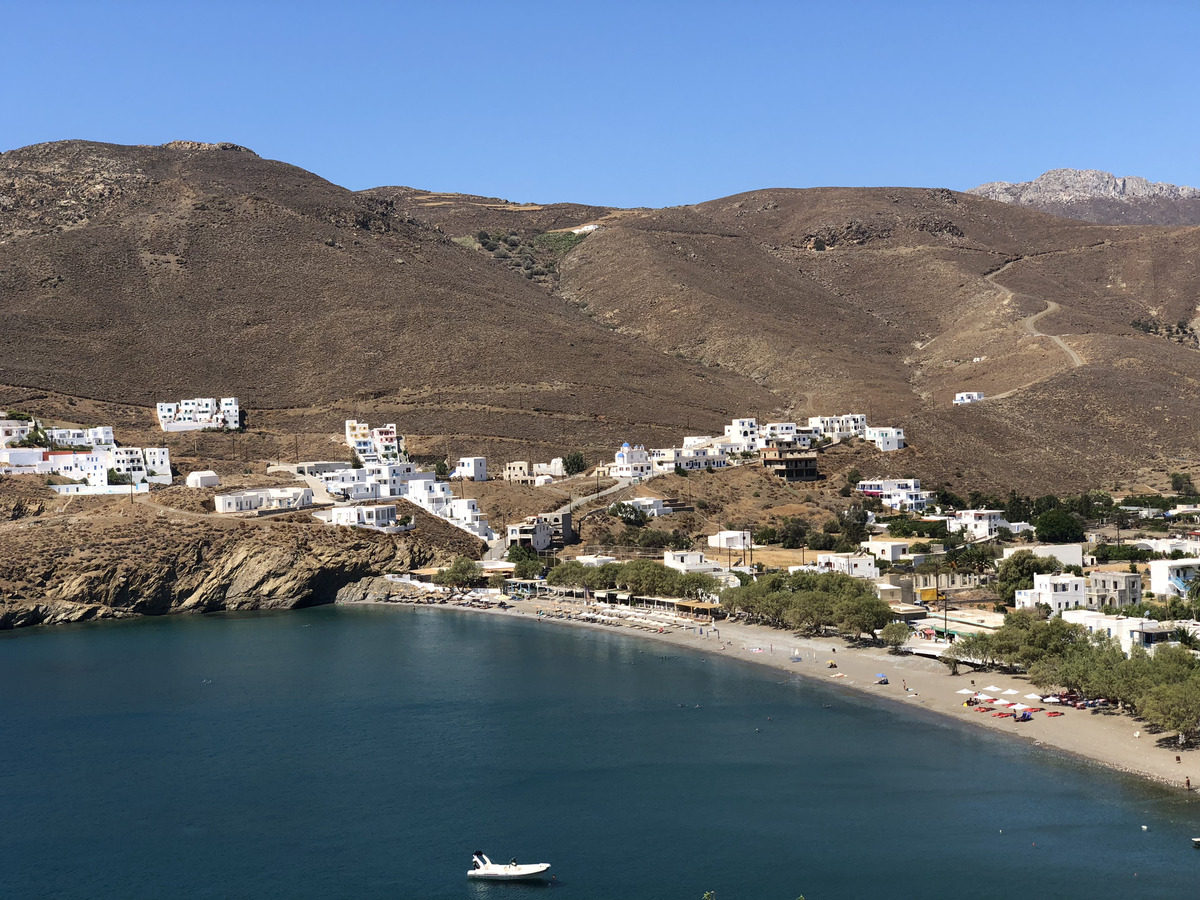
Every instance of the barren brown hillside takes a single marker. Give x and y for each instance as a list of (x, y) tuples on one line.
[(891, 300), (134, 274), (460, 214)]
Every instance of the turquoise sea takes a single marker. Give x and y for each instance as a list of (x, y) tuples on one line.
[(365, 752)]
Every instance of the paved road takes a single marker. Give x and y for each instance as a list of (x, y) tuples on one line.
[(498, 548), (621, 484)]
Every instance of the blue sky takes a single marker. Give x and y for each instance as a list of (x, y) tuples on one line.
[(622, 104)]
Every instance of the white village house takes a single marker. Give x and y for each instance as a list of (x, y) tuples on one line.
[(1099, 589), (1171, 577), (263, 499), (897, 493), (1129, 632), (1059, 592), (730, 540), (1066, 554), (375, 444), (471, 468), (93, 465), (556, 468), (13, 431), (854, 564), (375, 518), (101, 435), (978, 524), (199, 413), (886, 439), (405, 480)]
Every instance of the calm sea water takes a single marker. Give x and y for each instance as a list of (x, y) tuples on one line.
[(366, 752)]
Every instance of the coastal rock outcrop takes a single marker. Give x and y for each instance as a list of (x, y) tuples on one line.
[(119, 560)]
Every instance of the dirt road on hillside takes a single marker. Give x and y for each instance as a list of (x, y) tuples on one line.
[(1030, 325)]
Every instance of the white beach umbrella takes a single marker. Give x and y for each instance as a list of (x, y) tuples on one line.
[(1051, 700), (1011, 691), (992, 687), (1033, 696), (984, 697), (1021, 706), (965, 691)]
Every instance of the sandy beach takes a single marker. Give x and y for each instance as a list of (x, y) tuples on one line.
[(1103, 736)]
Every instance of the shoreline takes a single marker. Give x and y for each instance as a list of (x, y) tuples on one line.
[(1101, 736)]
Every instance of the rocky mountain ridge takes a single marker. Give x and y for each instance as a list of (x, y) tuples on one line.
[(1096, 196)]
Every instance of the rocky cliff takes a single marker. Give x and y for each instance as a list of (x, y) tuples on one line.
[(65, 562), (1101, 197)]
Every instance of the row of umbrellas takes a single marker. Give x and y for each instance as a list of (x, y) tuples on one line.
[(986, 698)]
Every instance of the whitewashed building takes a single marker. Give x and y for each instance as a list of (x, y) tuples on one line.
[(857, 565), (13, 431), (838, 427), (1129, 632), (1171, 577), (1059, 592), (741, 436), (375, 444), (689, 562), (264, 499), (690, 458), (404, 480), (897, 493), (785, 432), (886, 439), (91, 464), (199, 413), (1066, 554), (730, 540), (631, 462), (101, 435), (556, 468), (376, 518), (892, 549), (964, 397), (978, 524), (202, 479), (651, 506), (471, 468)]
